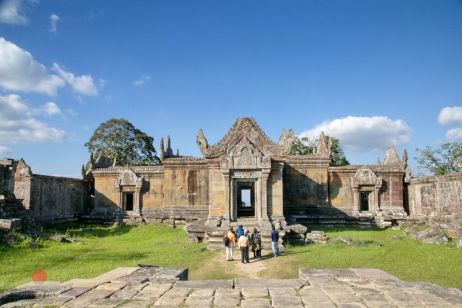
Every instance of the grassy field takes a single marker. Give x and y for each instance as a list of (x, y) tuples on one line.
[(101, 249), (405, 258)]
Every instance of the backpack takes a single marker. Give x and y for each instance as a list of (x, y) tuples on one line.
[(225, 240)]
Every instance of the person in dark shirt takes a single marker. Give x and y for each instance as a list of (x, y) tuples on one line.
[(274, 241)]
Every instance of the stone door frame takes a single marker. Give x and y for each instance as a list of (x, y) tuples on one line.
[(260, 179)]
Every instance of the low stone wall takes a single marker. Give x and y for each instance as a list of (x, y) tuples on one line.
[(57, 199), (176, 213), (437, 198)]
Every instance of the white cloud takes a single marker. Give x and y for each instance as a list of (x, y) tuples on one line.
[(454, 134), (363, 133), (18, 124), (81, 84), (53, 21), (450, 115), (4, 151), (19, 71), (48, 109), (11, 12), (142, 80)]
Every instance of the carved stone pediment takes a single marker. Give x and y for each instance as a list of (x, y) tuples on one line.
[(391, 157), (22, 169), (245, 155), (286, 140), (128, 178), (243, 130), (366, 177)]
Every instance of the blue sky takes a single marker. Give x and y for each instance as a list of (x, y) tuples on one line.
[(372, 73)]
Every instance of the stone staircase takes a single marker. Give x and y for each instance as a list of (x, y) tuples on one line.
[(328, 217), (214, 236)]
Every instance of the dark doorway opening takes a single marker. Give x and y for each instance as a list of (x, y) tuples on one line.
[(245, 199), (364, 201), (128, 201)]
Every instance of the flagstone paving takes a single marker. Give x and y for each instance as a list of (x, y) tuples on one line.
[(162, 287)]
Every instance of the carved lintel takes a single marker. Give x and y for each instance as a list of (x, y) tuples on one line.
[(128, 178), (246, 174), (366, 177)]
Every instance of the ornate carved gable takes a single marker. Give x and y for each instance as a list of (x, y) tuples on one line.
[(22, 169), (128, 178), (244, 130), (366, 177), (391, 157)]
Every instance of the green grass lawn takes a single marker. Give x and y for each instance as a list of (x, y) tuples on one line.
[(104, 248), (405, 258), (99, 250)]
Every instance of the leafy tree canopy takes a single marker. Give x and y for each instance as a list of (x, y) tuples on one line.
[(305, 146), (119, 139), (441, 161)]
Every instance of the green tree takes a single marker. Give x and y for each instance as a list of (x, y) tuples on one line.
[(337, 156), (119, 139), (302, 146), (441, 161), (305, 146)]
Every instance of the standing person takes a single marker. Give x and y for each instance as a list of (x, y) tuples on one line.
[(249, 237), (239, 231), (256, 244), (274, 241), (243, 244), (230, 240)]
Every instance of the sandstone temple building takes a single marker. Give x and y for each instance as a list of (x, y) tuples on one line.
[(245, 178)]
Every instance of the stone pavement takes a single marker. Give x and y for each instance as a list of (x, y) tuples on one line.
[(162, 287)]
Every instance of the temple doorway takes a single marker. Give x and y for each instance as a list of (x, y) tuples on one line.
[(128, 201), (364, 201), (246, 199)]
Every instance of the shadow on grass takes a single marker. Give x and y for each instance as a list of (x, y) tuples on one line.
[(89, 230)]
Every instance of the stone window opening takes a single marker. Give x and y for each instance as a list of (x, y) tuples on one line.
[(364, 195), (128, 201)]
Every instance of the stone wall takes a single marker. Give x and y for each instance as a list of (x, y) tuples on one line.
[(305, 183), (45, 199), (57, 199), (6, 176), (340, 189), (436, 198), (177, 189)]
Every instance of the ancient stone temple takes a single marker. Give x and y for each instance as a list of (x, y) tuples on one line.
[(248, 178), (245, 178)]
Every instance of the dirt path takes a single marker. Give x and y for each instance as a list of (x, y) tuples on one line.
[(252, 269), (216, 267)]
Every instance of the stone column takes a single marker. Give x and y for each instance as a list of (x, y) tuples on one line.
[(376, 200), (264, 194), (137, 201), (356, 201), (228, 213)]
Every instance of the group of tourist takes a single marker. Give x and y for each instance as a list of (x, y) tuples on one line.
[(246, 240)]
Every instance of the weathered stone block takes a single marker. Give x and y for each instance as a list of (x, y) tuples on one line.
[(10, 224), (432, 235), (316, 237)]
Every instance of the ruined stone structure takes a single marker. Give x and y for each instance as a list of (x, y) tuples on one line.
[(43, 199), (245, 178)]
